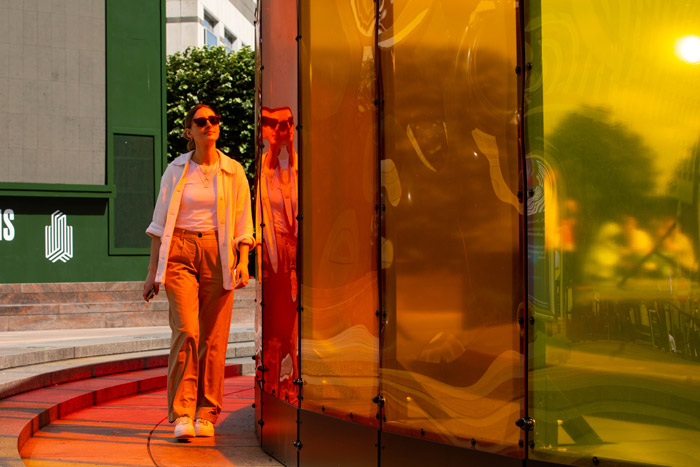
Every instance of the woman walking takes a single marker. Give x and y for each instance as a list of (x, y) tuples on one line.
[(201, 232)]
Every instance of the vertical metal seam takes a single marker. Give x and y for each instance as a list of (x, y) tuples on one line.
[(380, 226), (300, 219), (522, 160)]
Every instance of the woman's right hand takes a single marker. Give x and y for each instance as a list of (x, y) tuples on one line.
[(149, 284)]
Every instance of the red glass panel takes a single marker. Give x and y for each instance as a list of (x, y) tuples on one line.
[(277, 199)]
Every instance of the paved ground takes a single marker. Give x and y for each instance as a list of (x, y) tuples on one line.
[(133, 431), (49, 374)]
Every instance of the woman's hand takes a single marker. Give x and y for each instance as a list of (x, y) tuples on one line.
[(150, 287), (240, 275)]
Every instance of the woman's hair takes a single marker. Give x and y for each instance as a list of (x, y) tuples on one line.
[(188, 123)]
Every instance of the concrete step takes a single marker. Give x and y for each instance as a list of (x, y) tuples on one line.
[(25, 307), (240, 350), (37, 347), (62, 287), (15, 381), (109, 434), (71, 391), (79, 297), (69, 289)]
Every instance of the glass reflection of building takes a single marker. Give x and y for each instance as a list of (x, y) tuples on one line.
[(498, 223)]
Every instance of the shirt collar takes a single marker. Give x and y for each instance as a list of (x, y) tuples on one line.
[(227, 164)]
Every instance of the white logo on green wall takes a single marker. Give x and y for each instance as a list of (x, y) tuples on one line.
[(7, 229), (58, 239)]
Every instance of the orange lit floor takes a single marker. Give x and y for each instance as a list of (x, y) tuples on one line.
[(134, 431)]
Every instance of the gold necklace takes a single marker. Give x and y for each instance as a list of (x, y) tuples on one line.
[(204, 175)]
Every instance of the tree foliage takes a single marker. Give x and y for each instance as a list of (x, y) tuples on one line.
[(607, 166), (226, 82)]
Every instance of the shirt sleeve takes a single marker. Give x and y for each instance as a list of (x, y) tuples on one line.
[(243, 229), (157, 225)]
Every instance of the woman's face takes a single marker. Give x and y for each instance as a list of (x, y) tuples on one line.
[(278, 126), (206, 134)]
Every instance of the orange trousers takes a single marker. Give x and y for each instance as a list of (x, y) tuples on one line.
[(200, 318), (280, 321)]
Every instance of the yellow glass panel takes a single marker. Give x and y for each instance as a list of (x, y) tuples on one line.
[(613, 125), (277, 199), (339, 334), (452, 369)]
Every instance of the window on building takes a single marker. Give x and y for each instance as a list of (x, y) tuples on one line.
[(229, 39), (209, 25)]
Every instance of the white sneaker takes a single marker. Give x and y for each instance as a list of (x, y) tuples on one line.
[(184, 428), (203, 427)]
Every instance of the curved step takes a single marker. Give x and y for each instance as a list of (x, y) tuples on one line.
[(134, 431), (83, 386)]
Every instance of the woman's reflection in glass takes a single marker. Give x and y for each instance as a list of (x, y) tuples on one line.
[(277, 210)]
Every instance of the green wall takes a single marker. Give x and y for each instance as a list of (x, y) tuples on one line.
[(105, 218), (23, 258)]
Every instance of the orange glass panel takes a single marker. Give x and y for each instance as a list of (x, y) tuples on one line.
[(277, 199), (613, 131), (339, 331), (255, 189), (452, 370)]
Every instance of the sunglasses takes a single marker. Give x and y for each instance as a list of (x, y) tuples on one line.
[(278, 124), (202, 121)]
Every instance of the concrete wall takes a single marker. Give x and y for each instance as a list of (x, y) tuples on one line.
[(52, 91), (185, 22)]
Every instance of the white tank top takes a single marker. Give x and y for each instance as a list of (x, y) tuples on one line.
[(198, 206)]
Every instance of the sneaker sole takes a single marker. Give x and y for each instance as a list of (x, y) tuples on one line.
[(186, 435), (203, 434)]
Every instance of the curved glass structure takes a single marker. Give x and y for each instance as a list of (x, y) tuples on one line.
[(485, 249)]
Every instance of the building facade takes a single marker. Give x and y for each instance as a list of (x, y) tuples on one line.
[(197, 23), (82, 94)]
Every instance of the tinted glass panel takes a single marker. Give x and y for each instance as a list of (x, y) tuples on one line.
[(613, 120), (256, 189), (451, 363), (340, 344), (277, 199)]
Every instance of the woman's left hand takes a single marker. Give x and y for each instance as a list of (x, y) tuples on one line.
[(240, 275)]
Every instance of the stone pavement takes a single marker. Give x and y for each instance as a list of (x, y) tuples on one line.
[(47, 376), (133, 431)]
